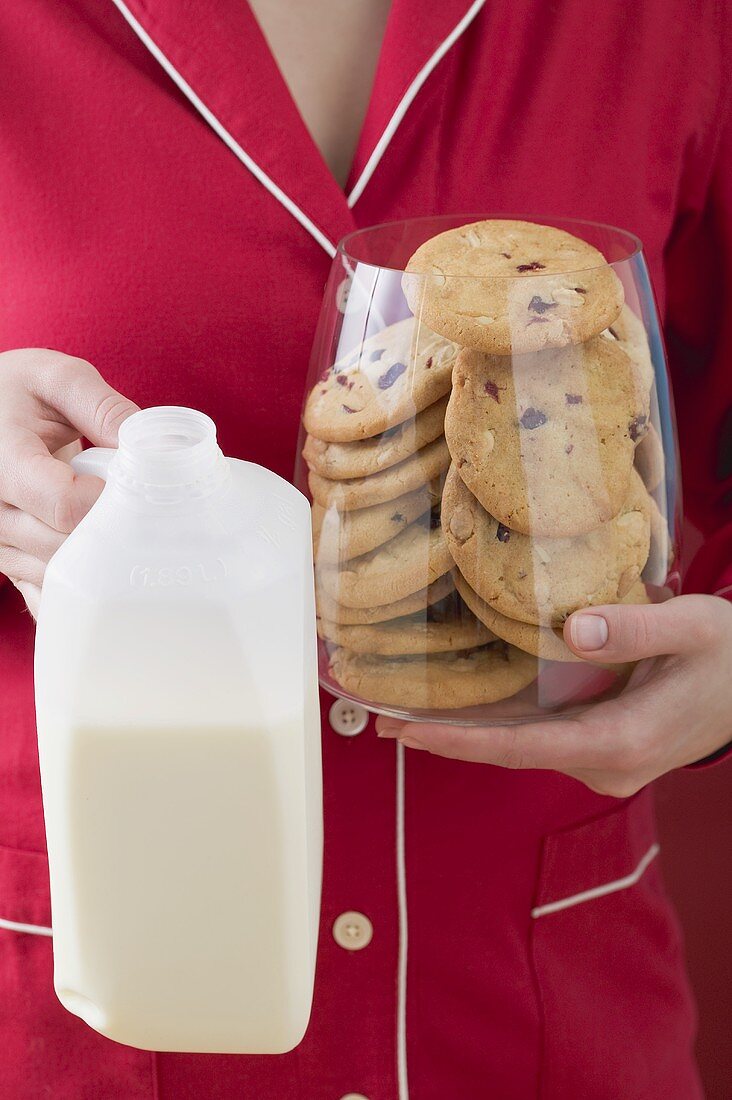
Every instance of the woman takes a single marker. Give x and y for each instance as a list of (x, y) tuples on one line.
[(167, 213)]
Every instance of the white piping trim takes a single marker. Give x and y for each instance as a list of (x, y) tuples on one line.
[(401, 869), (725, 591), (31, 929), (600, 891), (407, 99), (277, 193)]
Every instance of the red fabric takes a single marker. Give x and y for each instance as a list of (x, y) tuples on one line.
[(618, 1010), (695, 825), (132, 236)]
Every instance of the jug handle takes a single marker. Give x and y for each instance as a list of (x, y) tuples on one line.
[(94, 461)]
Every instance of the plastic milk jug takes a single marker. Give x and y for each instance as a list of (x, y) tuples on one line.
[(179, 738)]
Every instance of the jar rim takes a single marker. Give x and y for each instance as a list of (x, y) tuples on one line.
[(624, 238)]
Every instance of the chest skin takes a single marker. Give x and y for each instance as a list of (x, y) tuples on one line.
[(327, 52)]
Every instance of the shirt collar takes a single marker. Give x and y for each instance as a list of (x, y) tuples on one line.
[(219, 52)]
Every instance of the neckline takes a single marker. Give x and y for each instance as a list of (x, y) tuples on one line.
[(262, 44)]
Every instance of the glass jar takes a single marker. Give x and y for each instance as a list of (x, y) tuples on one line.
[(488, 443)]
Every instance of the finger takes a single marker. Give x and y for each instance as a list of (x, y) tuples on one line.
[(76, 390), (71, 450), (31, 593), (386, 727), (19, 566), (624, 632), (34, 482), (557, 744), (24, 532)]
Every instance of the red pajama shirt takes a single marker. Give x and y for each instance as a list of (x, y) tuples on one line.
[(133, 235)]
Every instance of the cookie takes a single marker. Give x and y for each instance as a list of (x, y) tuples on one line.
[(546, 642), (649, 459), (546, 441), (410, 561), (388, 379), (510, 287), (379, 452), (360, 492), (629, 332), (661, 556), (443, 628), (358, 616), (446, 681), (544, 581), (543, 641), (338, 536)]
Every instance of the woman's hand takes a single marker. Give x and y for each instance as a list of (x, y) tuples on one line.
[(47, 401), (675, 710)]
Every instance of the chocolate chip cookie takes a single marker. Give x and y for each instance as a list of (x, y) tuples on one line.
[(410, 561), (388, 379), (360, 492), (542, 581), (442, 628), (335, 612), (649, 459), (546, 642), (338, 536), (447, 681), (661, 556), (546, 441), (506, 287), (379, 452), (630, 333)]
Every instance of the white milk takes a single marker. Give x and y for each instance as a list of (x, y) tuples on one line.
[(179, 738)]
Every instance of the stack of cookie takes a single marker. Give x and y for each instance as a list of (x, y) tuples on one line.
[(395, 629), (543, 509)]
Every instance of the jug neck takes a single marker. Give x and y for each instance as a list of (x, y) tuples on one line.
[(168, 455)]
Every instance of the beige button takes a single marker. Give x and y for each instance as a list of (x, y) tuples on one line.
[(348, 718), (354, 1096), (352, 930)]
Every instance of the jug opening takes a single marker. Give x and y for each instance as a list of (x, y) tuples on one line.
[(168, 445), (167, 429)]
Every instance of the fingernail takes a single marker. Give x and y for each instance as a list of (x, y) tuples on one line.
[(411, 742), (383, 729), (588, 631)]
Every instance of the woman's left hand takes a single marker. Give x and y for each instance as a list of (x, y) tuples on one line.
[(675, 710)]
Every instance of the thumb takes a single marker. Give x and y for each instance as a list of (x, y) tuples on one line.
[(76, 389), (626, 632)]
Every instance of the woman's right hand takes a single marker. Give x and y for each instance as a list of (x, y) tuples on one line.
[(47, 402)]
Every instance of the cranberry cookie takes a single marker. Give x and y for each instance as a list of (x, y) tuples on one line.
[(379, 452), (335, 612), (629, 332), (338, 536), (508, 287), (650, 461), (442, 628), (546, 441), (446, 680), (410, 561), (546, 642), (542, 581), (389, 378), (360, 492)]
